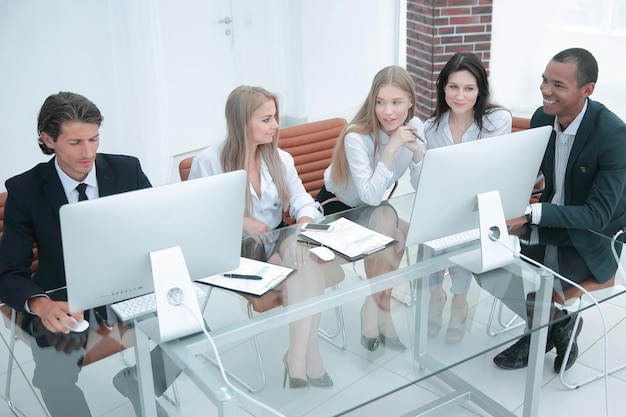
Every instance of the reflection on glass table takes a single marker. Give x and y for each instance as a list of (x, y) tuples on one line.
[(424, 357), (426, 369)]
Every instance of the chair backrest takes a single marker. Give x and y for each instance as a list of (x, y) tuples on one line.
[(184, 167), (311, 145), (3, 200)]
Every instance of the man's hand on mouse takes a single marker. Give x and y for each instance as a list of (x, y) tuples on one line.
[(53, 314)]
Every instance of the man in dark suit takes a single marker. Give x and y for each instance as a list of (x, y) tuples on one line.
[(585, 172), (68, 127)]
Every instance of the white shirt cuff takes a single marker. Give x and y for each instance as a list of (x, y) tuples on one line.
[(26, 308), (535, 215)]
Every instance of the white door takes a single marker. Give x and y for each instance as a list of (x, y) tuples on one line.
[(197, 45)]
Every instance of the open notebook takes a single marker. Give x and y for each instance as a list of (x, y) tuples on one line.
[(349, 239), (271, 275)]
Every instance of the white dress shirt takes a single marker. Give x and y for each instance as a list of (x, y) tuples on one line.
[(69, 184), (368, 185), (496, 123), (267, 207), (562, 148)]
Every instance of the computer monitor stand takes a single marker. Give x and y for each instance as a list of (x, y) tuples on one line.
[(496, 249), (176, 301)]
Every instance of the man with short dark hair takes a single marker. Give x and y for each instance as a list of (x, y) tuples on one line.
[(585, 178), (68, 128)]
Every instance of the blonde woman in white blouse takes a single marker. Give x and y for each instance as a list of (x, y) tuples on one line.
[(274, 186), (374, 150)]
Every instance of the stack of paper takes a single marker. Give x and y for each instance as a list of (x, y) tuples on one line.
[(349, 239)]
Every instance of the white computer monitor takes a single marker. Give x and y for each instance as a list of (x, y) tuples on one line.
[(453, 176), (107, 241)]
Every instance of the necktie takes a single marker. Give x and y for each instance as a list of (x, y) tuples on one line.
[(81, 191)]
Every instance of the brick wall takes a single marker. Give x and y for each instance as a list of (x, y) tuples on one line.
[(436, 29)]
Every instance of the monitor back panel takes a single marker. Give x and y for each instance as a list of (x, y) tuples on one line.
[(107, 241), (452, 176)]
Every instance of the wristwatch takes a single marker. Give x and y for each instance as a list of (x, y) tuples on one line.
[(528, 214)]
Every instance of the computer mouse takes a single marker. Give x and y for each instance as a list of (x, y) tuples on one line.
[(79, 326), (323, 253)]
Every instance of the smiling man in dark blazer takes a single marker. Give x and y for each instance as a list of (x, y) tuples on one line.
[(585, 172), (68, 128)]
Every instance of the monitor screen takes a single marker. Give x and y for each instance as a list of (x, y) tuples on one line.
[(107, 241), (452, 176)]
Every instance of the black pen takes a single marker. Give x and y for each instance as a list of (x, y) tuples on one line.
[(414, 132), (307, 243), (242, 276), (418, 136)]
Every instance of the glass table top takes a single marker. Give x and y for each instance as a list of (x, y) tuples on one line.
[(419, 345), (379, 332)]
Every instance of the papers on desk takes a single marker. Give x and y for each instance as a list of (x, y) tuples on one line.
[(271, 275), (349, 239)]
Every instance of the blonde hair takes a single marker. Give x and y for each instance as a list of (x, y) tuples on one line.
[(242, 102), (365, 121)]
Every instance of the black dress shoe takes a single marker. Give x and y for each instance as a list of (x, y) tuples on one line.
[(561, 334), (516, 356)]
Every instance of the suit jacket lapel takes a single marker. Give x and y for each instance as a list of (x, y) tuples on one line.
[(106, 180), (582, 135), (52, 187)]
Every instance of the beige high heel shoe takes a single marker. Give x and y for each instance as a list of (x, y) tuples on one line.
[(457, 324), (435, 311)]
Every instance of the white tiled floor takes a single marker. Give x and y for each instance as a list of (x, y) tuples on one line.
[(362, 371)]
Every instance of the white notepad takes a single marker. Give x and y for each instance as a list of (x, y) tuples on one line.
[(272, 276)]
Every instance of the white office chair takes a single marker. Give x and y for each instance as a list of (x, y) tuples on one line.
[(9, 377), (504, 325), (592, 285)]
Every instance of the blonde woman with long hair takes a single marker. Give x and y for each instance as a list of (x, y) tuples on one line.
[(274, 187), (375, 149)]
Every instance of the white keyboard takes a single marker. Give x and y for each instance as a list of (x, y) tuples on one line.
[(145, 304), (457, 239)]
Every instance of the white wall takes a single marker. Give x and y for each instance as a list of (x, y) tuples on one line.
[(344, 44), (148, 65), (98, 49), (527, 34)]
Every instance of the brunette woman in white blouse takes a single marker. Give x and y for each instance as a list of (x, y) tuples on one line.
[(372, 153), (252, 144), (462, 114)]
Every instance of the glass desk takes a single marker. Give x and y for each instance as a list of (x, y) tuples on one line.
[(425, 357), (360, 376)]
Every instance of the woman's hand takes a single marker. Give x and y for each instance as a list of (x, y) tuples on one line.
[(417, 148), (402, 137), (294, 255), (255, 228)]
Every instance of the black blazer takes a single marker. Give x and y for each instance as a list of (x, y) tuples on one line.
[(31, 216), (595, 177)]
